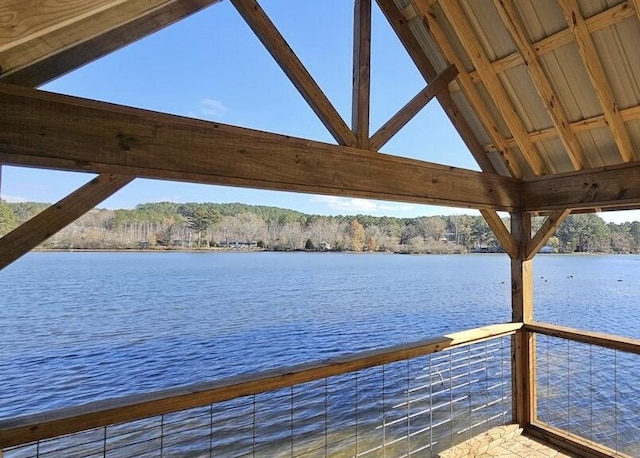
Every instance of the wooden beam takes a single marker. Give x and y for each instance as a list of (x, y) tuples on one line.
[(546, 230), (45, 224), (600, 21), (572, 443), (523, 369), (599, 80), (584, 125), (600, 339), (469, 88), (41, 40), (30, 428), (636, 7), (361, 72), (465, 32), (516, 27), (502, 234), (400, 25), (614, 186), (412, 108), (277, 46), (50, 130)]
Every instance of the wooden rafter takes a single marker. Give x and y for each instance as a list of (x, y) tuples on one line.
[(277, 46), (42, 226), (636, 7), (40, 40), (584, 125), (613, 186), (596, 72), (470, 90), (514, 24), (143, 143), (501, 232), (361, 72), (546, 230), (602, 20), (477, 55), (412, 108), (401, 27)]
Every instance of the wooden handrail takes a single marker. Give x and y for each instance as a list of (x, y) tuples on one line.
[(614, 342), (30, 428)]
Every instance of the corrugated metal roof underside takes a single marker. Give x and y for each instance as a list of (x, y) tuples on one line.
[(615, 31)]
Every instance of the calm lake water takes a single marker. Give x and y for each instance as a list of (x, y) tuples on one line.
[(78, 327)]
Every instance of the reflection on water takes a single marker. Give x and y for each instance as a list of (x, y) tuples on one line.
[(79, 327)]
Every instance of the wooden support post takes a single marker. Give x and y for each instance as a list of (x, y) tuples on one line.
[(523, 367), (361, 72), (42, 226)]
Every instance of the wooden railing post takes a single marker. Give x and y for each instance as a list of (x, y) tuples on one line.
[(523, 367)]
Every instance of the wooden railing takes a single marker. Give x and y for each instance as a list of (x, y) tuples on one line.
[(572, 365), (33, 428)]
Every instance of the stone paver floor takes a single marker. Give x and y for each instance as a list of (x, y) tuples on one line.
[(503, 442)]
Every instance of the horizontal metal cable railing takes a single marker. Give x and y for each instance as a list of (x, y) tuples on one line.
[(409, 400), (587, 388)]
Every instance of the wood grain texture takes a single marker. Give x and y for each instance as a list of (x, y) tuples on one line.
[(360, 105), (65, 421), (607, 18), (412, 108), (614, 186), (471, 92), (599, 339), (574, 444), (583, 125), (477, 55), (500, 230), (516, 27), (50, 130), (43, 39), (546, 230), (401, 27), (45, 224), (282, 53), (523, 367), (598, 77)]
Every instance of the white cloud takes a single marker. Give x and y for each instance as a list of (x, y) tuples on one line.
[(212, 107), (357, 205), (13, 198)]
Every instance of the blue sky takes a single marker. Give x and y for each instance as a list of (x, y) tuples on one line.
[(211, 66)]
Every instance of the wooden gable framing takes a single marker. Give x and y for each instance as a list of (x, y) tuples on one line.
[(552, 120)]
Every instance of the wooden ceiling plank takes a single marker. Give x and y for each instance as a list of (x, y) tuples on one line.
[(476, 53), (45, 224), (360, 106), (277, 46), (546, 230), (51, 130), (501, 232), (44, 40), (515, 25), (413, 107), (605, 187), (471, 92), (401, 27), (602, 20), (599, 80)]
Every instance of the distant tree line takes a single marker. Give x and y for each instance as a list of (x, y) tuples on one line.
[(169, 225)]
